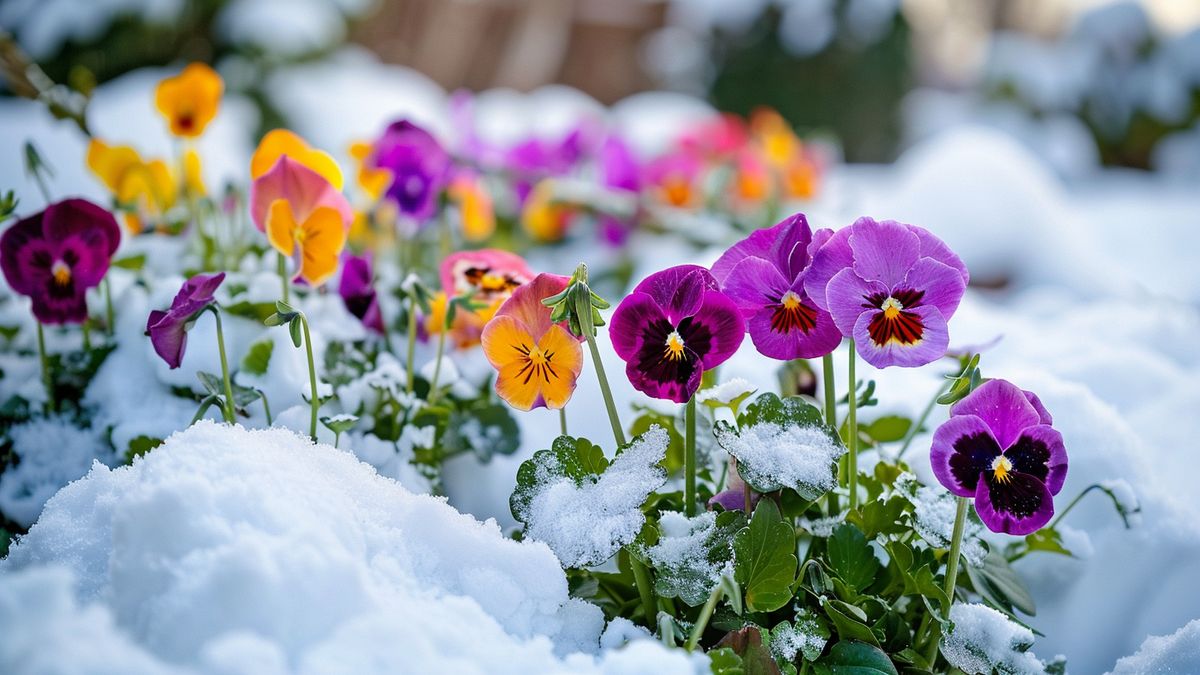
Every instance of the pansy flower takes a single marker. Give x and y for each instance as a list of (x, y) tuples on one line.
[(474, 205), (543, 215), (419, 168), (620, 172), (673, 326), (282, 142), (189, 100), (536, 158), (145, 189), (168, 330), (998, 447), (537, 361), (890, 287), (357, 288), (303, 216), (489, 276), (54, 256), (764, 275), (675, 179)]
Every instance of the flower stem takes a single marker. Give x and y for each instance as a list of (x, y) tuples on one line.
[(437, 372), (689, 458), (47, 378), (108, 307), (618, 432), (412, 338), (852, 460), (960, 521), (266, 407), (1062, 514), (706, 613), (312, 379), (87, 334), (562, 420), (281, 267), (230, 415), (830, 392)]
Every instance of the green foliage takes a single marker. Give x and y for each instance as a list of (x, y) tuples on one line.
[(856, 658), (140, 445), (851, 558), (258, 358), (765, 559)]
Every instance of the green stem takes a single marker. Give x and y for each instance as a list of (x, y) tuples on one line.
[(689, 458), (1062, 514), (830, 392), (281, 267), (312, 379), (641, 579), (47, 378), (87, 334), (702, 620), (108, 307), (615, 421), (266, 407), (852, 460), (230, 415), (960, 521), (916, 427), (437, 372), (562, 420), (412, 339)]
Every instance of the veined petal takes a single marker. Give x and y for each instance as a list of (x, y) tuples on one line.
[(1018, 505), (324, 238), (822, 338), (525, 304), (754, 283), (564, 363), (635, 312), (963, 449), (678, 290), (884, 251), (1003, 406), (723, 321), (1039, 451), (757, 245), (831, 254), (942, 284), (930, 344), (846, 298), (932, 247), (789, 250)]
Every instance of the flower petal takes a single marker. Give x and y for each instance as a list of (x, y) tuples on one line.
[(678, 290), (820, 340), (846, 298), (305, 189), (942, 285), (564, 363), (1043, 414), (831, 253), (1003, 406), (284, 143), (629, 319), (324, 238), (884, 251), (525, 304), (1039, 452), (753, 284), (932, 247), (757, 245), (929, 347), (789, 250), (1018, 505), (280, 227), (722, 319), (963, 449)]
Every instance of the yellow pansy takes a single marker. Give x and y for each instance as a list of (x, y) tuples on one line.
[(373, 181), (542, 216), (475, 207), (317, 242), (280, 142), (190, 99), (147, 189)]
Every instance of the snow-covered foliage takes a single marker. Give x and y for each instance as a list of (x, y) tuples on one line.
[(983, 641), (51, 452)]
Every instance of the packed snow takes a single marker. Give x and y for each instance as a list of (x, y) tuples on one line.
[(1173, 654), (771, 455), (228, 550), (587, 523), (51, 452)]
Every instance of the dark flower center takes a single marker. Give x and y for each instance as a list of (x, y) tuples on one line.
[(893, 322), (673, 353), (537, 363), (791, 314), (488, 281)]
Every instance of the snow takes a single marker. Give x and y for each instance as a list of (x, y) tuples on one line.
[(725, 392), (227, 548), (935, 510), (681, 556), (771, 455), (52, 452), (806, 637), (586, 524), (983, 640), (1173, 654)]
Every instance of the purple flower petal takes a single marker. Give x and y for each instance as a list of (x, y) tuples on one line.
[(1043, 414), (831, 257), (941, 284), (678, 290), (1003, 407), (1019, 504), (419, 165), (963, 449), (635, 312), (168, 330), (757, 245), (932, 247), (818, 341), (721, 318), (846, 298), (358, 292), (933, 337), (883, 250), (789, 251), (1039, 452), (754, 284)]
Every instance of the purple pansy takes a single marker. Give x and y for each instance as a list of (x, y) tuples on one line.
[(764, 275), (536, 158), (998, 447), (673, 326), (168, 330), (619, 171), (419, 165), (890, 287), (54, 256), (357, 288)]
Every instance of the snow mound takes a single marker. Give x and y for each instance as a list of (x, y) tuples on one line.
[(1178, 652), (983, 640), (52, 452), (226, 546)]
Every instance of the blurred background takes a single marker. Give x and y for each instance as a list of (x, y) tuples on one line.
[(1084, 82)]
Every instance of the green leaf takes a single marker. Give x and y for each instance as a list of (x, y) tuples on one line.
[(851, 557), (132, 262), (880, 516), (887, 429), (339, 424), (725, 661), (294, 328), (257, 311), (849, 621), (856, 658), (213, 384), (790, 412), (689, 577), (814, 628), (996, 581), (748, 644), (140, 445), (258, 357), (765, 559), (1047, 540)]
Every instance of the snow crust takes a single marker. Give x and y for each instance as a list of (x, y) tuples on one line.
[(228, 550)]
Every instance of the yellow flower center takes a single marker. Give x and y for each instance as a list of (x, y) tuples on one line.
[(61, 273), (492, 282), (891, 308), (790, 300), (1002, 467), (674, 346)]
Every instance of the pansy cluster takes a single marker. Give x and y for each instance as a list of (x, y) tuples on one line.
[(438, 331)]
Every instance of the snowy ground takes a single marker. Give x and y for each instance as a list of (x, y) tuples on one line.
[(288, 558)]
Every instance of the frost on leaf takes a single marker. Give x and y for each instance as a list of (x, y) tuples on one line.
[(807, 636), (982, 640), (582, 506), (934, 510), (783, 443), (692, 553)]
